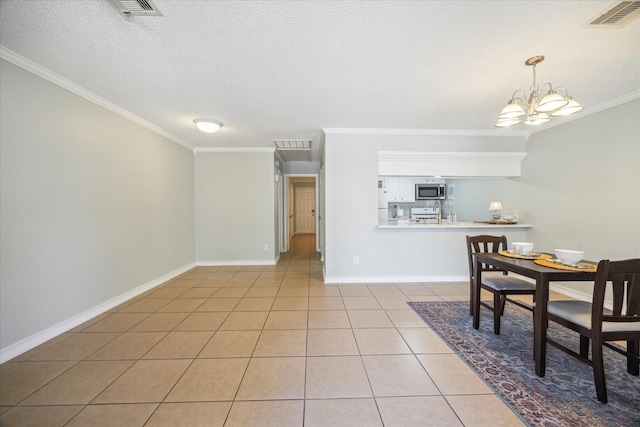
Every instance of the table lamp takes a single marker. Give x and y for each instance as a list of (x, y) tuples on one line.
[(496, 207)]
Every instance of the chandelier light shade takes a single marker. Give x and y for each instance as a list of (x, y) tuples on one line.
[(208, 125), (542, 101)]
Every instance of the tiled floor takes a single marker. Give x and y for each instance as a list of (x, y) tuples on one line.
[(254, 346)]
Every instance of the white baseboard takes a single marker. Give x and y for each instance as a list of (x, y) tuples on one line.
[(393, 279), (28, 343), (229, 263)]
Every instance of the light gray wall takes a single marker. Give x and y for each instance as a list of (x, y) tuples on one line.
[(580, 188), (351, 177), (582, 185), (92, 205), (234, 204)]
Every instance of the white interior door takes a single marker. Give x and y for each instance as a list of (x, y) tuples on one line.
[(305, 210)]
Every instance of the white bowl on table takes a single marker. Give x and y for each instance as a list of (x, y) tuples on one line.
[(568, 256), (522, 248)]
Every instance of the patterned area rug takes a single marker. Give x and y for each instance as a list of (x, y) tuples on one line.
[(566, 396)]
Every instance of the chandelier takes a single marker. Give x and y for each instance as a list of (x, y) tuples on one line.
[(537, 108)]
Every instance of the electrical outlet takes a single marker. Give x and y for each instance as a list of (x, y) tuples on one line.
[(356, 260), (266, 248)]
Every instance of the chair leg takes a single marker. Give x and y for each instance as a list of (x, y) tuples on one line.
[(633, 365), (584, 346), (471, 298), (598, 370), (503, 302), (497, 309)]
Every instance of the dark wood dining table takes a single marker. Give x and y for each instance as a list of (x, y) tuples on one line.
[(542, 276)]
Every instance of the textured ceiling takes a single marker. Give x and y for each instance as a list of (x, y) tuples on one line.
[(285, 69)]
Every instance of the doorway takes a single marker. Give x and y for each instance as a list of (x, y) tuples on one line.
[(301, 201)]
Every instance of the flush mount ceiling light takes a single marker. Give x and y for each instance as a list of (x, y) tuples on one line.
[(208, 125), (542, 102)]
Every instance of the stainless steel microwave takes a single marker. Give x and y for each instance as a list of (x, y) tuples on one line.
[(431, 192)]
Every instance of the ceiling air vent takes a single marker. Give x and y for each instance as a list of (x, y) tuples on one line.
[(129, 8), (293, 150), (616, 16)]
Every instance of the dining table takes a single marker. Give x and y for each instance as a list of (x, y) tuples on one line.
[(542, 275)]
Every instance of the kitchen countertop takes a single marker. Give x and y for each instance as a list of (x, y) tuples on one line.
[(445, 225)]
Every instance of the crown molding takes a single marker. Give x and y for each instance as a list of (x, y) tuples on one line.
[(52, 77), (423, 132), (234, 149)]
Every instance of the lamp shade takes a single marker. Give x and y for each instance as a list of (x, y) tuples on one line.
[(551, 102), (511, 111), (208, 125), (495, 206), (570, 108), (505, 123), (537, 119)]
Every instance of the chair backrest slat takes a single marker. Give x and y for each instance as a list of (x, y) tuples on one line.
[(484, 244), (624, 277)]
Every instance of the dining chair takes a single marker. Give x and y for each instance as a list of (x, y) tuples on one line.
[(499, 286), (600, 325)]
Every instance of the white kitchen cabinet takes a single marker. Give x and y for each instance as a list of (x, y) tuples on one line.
[(401, 189)]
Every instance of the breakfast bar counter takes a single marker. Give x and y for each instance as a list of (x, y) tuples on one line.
[(407, 224)]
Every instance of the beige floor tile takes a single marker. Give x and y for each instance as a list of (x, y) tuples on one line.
[(398, 375), (196, 384), (219, 304), (117, 322), (231, 344), (167, 293), (369, 319), (281, 342), (355, 291), (446, 289), (32, 416), (27, 377), (128, 346), (380, 341), (336, 377), (27, 355), (293, 291), (415, 289), (183, 283), (274, 413), (254, 304), (262, 291), (342, 412), (80, 384), (212, 282), (406, 319), (291, 303), (159, 322), (452, 375), (113, 415), (197, 414), (361, 303), (145, 381), (237, 292), (203, 321), (76, 347), (198, 293), (245, 321), (145, 305), (428, 298), (286, 320), (424, 340), (483, 411), (182, 305), (380, 289), (239, 282), (323, 290), (325, 319), (273, 378), (176, 345), (326, 303), (417, 411), (331, 342), (265, 280), (393, 302)]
